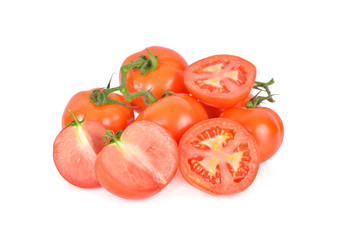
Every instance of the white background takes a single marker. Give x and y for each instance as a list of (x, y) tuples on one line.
[(52, 49)]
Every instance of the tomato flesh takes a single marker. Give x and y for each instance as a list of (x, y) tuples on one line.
[(141, 164), (220, 81), (75, 151), (218, 156)]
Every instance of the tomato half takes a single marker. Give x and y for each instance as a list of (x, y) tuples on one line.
[(218, 156), (176, 113), (75, 151), (221, 81), (167, 76), (264, 124), (112, 116), (141, 164)]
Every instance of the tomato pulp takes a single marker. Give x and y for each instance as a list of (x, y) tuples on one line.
[(264, 124), (140, 164), (218, 156), (221, 81), (75, 151)]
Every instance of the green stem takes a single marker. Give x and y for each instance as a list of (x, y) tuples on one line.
[(76, 122), (110, 137), (145, 65), (262, 86)]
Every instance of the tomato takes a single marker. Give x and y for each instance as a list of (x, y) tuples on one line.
[(221, 81), (216, 112), (140, 164), (264, 124), (218, 156), (112, 116), (176, 113), (75, 151), (167, 76)]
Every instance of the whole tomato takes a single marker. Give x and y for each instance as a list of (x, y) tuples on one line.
[(176, 113), (167, 76), (264, 124), (112, 116)]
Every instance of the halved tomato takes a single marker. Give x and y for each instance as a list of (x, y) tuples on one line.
[(221, 81), (75, 151), (218, 156), (139, 164)]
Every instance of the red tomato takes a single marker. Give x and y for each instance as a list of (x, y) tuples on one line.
[(112, 116), (218, 156), (264, 124), (75, 151), (167, 76), (141, 164), (221, 81), (216, 112), (176, 113)]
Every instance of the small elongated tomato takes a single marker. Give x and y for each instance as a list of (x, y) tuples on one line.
[(140, 164), (75, 151), (221, 81), (218, 156), (167, 76), (264, 124), (112, 116), (216, 112), (176, 113)]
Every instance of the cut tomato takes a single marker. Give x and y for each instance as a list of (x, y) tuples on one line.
[(218, 156), (140, 164), (75, 151), (221, 81)]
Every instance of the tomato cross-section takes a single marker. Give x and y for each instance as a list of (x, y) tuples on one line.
[(220, 81), (218, 156)]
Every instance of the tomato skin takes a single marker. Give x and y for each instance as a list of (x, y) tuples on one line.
[(196, 175), (176, 113), (75, 151), (264, 124), (237, 89), (112, 116), (167, 76), (145, 161), (216, 112)]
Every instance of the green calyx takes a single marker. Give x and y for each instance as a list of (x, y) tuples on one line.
[(76, 122), (100, 96), (110, 137), (262, 87)]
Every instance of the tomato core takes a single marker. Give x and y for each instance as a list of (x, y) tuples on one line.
[(216, 139), (220, 77)]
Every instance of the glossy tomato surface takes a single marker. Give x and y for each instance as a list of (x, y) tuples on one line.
[(112, 116), (218, 156), (167, 76), (176, 113), (221, 81), (264, 124), (75, 151), (214, 112), (141, 164)]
